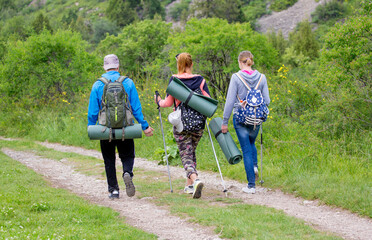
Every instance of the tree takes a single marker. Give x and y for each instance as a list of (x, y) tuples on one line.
[(344, 76), (40, 23), (215, 45), (152, 7), (138, 45), (122, 12), (101, 28), (47, 65), (17, 28), (231, 10), (303, 40)]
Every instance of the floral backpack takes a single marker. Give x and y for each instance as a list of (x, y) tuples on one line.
[(252, 109)]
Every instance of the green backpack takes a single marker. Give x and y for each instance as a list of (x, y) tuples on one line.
[(116, 111)]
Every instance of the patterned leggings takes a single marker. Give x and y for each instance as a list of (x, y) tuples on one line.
[(187, 143)]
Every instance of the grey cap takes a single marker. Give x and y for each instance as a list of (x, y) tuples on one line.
[(110, 61)]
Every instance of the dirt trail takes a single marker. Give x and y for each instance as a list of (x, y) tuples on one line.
[(138, 212), (287, 20), (325, 218)]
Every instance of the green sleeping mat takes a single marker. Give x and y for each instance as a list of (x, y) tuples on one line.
[(98, 132), (203, 104), (227, 144)]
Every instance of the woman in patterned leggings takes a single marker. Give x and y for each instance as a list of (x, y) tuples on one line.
[(187, 141)]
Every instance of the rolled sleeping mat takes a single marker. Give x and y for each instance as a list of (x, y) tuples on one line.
[(98, 132), (227, 144), (203, 104)]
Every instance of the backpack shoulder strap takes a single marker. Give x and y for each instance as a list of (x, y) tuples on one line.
[(258, 82), (104, 80), (121, 79), (241, 79)]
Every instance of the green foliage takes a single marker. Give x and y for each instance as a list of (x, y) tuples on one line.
[(254, 10), (121, 12), (344, 77), (277, 41), (101, 28), (303, 41), (70, 17), (16, 28), (330, 10), (152, 8), (137, 46), (40, 23), (231, 10), (179, 9), (46, 66), (279, 5), (214, 45)]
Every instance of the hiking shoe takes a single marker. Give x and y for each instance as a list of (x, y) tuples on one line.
[(249, 190), (189, 189), (198, 187), (129, 186), (114, 194), (256, 171)]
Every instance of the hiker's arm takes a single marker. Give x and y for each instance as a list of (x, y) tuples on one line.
[(167, 102), (265, 91), (204, 89), (93, 107), (230, 100), (136, 105)]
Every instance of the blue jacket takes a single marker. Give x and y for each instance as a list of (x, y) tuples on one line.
[(95, 99)]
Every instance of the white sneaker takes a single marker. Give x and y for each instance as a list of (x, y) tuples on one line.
[(256, 171), (189, 189), (198, 187), (249, 190)]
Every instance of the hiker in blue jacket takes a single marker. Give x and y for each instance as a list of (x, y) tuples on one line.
[(125, 148), (246, 133)]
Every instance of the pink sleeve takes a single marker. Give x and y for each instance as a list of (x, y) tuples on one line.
[(203, 91), (167, 102)]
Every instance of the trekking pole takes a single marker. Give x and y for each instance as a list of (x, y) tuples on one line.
[(165, 147), (261, 182), (218, 165)]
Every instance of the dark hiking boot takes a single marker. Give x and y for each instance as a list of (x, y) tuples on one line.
[(129, 186)]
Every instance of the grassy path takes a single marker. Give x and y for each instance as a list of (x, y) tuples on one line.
[(326, 218), (229, 218), (340, 222)]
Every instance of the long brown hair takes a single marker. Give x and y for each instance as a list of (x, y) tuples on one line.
[(183, 61)]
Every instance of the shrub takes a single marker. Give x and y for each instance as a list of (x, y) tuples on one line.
[(279, 5), (328, 11), (214, 45), (46, 66)]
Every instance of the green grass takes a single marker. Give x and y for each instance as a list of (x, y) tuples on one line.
[(227, 216), (31, 209), (294, 159)]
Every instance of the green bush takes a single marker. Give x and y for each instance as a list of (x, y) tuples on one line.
[(344, 78), (137, 46), (279, 5), (178, 8), (214, 45), (47, 66), (328, 11)]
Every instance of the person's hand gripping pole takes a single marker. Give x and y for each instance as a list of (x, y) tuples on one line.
[(165, 147)]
